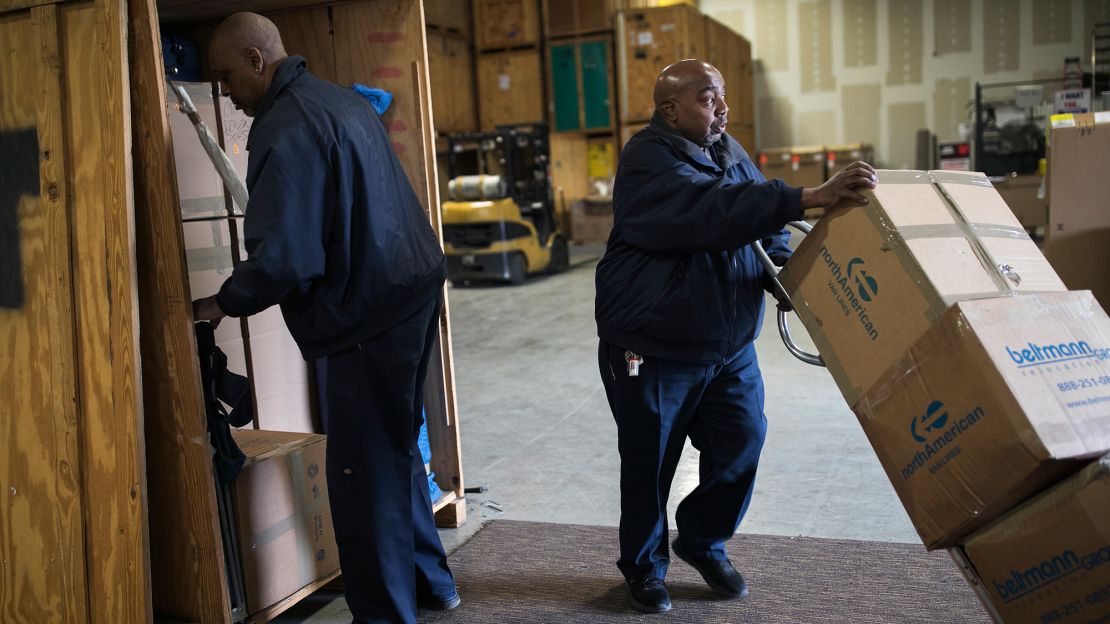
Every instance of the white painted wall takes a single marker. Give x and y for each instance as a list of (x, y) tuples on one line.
[(940, 100)]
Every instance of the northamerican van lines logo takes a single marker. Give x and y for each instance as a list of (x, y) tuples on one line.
[(1034, 354), (943, 431), (935, 417), (853, 288)]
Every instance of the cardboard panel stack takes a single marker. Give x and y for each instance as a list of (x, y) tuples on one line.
[(1022, 194), (1077, 240), (732, 55), (979, 380), (260, 346)]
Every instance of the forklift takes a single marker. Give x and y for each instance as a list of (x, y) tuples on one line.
[(499, 223)]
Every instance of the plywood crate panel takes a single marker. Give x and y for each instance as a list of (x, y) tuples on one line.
[(510, 88)]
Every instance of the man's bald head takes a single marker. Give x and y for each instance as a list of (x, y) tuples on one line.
[(244, 53), (690, 95)]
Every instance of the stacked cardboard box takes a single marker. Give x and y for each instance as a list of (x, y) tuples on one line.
[(800, 165), (282, 515), (979, 380), (1077, 240)]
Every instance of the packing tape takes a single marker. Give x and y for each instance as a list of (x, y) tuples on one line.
[(302, 501), (955, 230), (941, 178)]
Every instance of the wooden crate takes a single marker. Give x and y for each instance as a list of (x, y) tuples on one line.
[(348, 42), (647, 41), (448, 15), (565, 18), (629, 129), (569, 172), (73, 509), (500, 24), (451, 72), (731, 54), (510, 88)]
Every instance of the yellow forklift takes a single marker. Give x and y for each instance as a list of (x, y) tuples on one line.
[(499, 220)]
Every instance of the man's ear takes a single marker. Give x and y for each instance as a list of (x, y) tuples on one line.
[(669, 110), (258, 62)]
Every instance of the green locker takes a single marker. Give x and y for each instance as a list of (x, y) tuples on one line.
[(595, 84), (580, 85), (564, 79)]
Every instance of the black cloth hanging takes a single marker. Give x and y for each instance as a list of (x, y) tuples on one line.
[(221, 387)]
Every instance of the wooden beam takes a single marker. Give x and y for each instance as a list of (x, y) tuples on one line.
[(112, 469), (189, 576)]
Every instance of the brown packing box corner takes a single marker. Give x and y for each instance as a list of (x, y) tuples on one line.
[(283, 517), (807, 164), (591, 220), (838, 157), (774, 162), (1020, 194), (868, 281), (1001, 399), (1048, 560), (1077, 240)]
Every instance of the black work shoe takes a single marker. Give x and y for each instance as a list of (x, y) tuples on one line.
[(649, 595), (720, 575), (433, 603)]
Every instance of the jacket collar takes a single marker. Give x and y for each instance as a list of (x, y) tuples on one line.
[(287, 71), (727, 150)]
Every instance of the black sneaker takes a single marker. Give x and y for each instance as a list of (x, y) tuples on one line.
[(433, 603), (649, 595), (720, 575)]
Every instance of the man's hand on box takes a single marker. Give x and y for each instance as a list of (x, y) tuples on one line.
[(846, 186)]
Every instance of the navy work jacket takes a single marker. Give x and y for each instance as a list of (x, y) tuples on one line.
[(679, 280), (334, 231)]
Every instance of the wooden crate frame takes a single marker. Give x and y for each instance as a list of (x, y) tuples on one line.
[(378, 41)]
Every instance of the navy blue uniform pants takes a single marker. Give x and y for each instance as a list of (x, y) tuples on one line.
[(720, 408), (389, 549)]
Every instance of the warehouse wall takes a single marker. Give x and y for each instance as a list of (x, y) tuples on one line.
[(839, 71)]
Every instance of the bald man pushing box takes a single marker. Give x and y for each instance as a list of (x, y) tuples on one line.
[(336, 236), (679, 304)]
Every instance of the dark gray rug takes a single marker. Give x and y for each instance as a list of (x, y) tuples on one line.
[(530, 572)]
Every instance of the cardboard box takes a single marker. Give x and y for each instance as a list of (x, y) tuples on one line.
[(797, 166), (591, 220), (807, 165), (1001, 399), (868, 281), (1077, 240), (775, 163), (283, 517), (838, 157), (1021, 194), (1048, 560)]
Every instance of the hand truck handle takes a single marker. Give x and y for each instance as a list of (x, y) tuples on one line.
[(780, 293)]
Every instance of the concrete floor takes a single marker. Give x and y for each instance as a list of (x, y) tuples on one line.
[(536, 427)]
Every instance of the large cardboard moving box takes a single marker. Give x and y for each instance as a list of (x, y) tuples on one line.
[(1048, 560), (1077, 240), (868, 281), (283, 515), (998, 401)]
